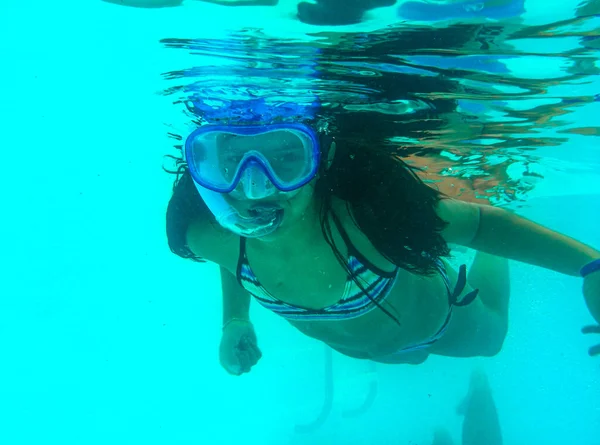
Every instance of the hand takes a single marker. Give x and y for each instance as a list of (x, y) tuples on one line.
[(591, 293), (238, 351), (594, 350)]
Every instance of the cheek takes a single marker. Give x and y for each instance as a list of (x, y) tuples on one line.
[(300, 203)]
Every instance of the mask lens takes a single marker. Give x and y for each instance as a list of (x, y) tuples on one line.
[(222, 157)]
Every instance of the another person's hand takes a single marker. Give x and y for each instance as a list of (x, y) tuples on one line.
[(594, 350), (238, 351)]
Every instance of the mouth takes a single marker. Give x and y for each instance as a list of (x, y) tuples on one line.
[(266, 219)]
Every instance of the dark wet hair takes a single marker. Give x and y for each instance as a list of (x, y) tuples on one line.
[(185, 206), (389, 202)]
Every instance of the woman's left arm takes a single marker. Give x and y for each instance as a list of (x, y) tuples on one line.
[(500, 232), (503, 233)]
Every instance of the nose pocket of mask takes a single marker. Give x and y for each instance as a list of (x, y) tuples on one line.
[(256, 184)]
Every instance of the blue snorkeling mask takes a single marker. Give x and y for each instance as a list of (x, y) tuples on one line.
[(257, 165)]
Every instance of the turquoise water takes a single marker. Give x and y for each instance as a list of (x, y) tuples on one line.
[(105, 336)]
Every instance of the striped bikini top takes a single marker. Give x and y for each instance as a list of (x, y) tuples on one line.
[(354, 302)]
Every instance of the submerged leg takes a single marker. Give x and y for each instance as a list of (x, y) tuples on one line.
[(481, 425), (491, 276), (442, 437), (479, 329)]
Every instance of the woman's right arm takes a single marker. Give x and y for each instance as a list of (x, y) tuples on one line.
[(238, 351), (221, 248), (236, 300)]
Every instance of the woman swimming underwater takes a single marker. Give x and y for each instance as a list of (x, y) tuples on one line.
[(342, 239)]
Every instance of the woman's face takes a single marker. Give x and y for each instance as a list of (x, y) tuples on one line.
[(256, 207), (256, 197)]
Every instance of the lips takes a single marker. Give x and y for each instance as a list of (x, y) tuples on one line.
[(265, 218), (264, 209)]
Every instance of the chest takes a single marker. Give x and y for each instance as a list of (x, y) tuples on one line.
[(312, 277)]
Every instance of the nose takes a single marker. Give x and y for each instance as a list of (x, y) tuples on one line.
[(256, 184)]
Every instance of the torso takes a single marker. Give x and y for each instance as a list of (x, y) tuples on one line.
[(311, 277)]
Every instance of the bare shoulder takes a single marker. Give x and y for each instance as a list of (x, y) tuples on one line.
[(213, 243), (462, 218)]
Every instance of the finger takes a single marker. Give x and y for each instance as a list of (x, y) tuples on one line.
[(252, 347), (233, 369), (594, 350), (249, 346), (253, 358), (257, 353), (252, 352), (244, 360), (595, 329)]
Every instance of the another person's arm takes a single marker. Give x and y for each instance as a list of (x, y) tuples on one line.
[(146, 3), (171, 3)]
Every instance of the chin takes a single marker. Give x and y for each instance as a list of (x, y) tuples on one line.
[(286, 222)]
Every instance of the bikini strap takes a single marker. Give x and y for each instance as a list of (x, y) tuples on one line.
[(461, 282), (353, 251), (241, 259)]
